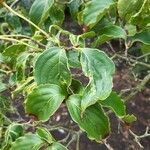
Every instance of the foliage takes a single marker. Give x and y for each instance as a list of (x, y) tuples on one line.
[(37, 64)]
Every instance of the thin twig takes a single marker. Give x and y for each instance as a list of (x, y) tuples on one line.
[(65, 139), (78, 141), (6, 118), (145, 55), (128, 59), (111, 47), (133, 61), (71, 141), (24, 18), (14, 3), (26, 37), (4, 71), (137, 138), (107, 145), (139, 88), (18, 41)]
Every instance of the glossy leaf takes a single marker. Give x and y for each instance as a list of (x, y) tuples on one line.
[(115, 103), (109, 32), (52, 67), (40, 10), (56, 146), (27, 142), (143, 37), (44, 100), (99, 68), (93, 121), (94, 11)]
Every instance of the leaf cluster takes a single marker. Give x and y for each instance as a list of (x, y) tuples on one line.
[(38, 56)]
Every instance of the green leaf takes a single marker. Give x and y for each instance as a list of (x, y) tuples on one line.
[(86, 35), (93, 121), (27, 142), (94, 11), (131, 29), (76, 87), (115, 103), (129, 119), (26, 4), (13, 132), (3, 87), (22, 86), (5, 104), (77, 41), (73, 59), (14, 22), (21, 66), (109, 32), (74, 8), (128, 8), (14, 50), (40, 10), (1, 58), (143, 37), (56, 146), (45, 135), (145, 49), (56, 15), (44, 100), (99, 68), (142, 17), (52, 67)]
